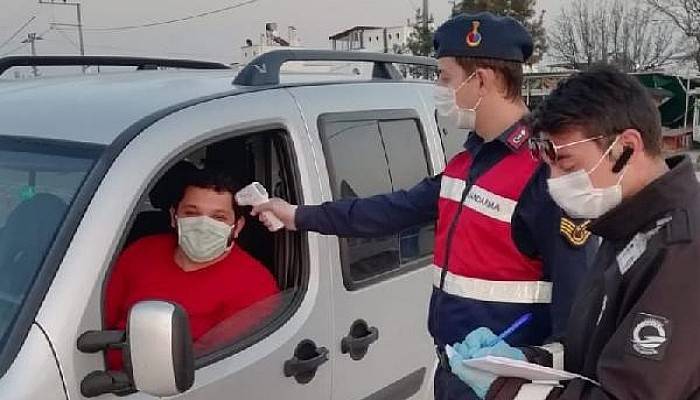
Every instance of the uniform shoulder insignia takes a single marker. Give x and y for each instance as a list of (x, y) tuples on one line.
[(518, 137), (576, 234)]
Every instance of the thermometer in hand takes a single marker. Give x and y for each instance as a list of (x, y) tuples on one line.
[(255, 194)]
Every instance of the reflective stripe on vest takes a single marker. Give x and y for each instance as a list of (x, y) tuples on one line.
[(524, 292), (478, 199)]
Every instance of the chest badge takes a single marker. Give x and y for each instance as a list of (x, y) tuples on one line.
[(576, 234), (649, 336)]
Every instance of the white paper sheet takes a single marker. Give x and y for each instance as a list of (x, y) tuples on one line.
[(508, 367)]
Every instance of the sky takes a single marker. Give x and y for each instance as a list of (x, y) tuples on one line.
[(216, 37)]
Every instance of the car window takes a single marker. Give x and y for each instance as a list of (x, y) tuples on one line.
[(238, 300), (358, 166), (369, 156), (452, 138), (38, 182), (408, 165)]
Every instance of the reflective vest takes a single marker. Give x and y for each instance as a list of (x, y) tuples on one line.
[(480, 276)]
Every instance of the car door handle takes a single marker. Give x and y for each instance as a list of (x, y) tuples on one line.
[(306, 361), (357, 342)]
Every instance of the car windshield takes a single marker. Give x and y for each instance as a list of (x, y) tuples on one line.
[(39, 180)]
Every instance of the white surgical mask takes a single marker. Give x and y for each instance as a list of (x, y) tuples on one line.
[(446, 105), (202, 238), (577, 196)]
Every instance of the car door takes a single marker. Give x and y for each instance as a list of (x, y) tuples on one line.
[(375, 141), (254, 369)]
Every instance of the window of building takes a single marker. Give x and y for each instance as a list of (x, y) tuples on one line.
[(374, 153)]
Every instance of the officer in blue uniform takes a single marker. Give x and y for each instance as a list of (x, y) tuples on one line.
[(503, 247)]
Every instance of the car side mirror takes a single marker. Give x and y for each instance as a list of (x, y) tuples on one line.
[(160, 348), (157, 351)]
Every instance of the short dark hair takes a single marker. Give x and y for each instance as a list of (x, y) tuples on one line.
[(509, 72), (215, 179), (601, 101)]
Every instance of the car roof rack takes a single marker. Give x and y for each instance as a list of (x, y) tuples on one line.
[(123, 61), (265, 69)]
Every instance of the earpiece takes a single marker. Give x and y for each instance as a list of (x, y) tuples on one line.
[(623, 160)]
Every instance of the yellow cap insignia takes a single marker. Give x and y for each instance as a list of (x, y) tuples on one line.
[(474, 37), (577, 235)]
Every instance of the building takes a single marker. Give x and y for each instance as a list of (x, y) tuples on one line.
[(372, 38), (270, 40)]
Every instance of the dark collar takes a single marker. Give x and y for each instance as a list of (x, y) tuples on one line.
[(514, 137), (672, 191)]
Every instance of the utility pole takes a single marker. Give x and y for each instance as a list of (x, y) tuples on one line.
[(32, 37), (79, 25), (426, 16)]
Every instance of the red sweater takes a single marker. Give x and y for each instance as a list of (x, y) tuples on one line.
[(146, 270)]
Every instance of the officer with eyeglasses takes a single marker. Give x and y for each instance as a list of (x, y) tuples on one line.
[(634, 325), (502, 247)]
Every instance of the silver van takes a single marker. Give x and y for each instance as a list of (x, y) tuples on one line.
[(81, 158)]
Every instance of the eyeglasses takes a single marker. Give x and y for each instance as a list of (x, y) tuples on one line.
[(547, 151)]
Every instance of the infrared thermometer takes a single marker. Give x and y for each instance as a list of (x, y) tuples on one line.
[(254, 195)]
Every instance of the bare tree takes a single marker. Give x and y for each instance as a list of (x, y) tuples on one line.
[(684, 14), (626, 35)]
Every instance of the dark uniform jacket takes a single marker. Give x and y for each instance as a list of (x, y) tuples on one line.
[(636, 322)]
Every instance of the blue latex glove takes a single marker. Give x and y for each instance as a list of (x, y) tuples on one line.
[(479, 343), (479, 381)]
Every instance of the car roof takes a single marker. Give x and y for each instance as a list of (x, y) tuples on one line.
[(97, 108)]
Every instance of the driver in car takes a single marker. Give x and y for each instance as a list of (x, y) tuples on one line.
[(199, 267)]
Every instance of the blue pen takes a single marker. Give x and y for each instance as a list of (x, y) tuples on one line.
[(517, 324)]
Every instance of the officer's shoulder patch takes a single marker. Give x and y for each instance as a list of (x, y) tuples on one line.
[(518, 137), (576, 234), (649, 336)]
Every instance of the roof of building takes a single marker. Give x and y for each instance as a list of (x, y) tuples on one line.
[(354, 28)]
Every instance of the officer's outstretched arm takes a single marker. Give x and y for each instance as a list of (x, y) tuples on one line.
[(363, 217)]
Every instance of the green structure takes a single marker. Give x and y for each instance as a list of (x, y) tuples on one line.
[(678, 96)]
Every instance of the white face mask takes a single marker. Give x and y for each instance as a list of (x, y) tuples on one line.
[(202, 238), (446, 105), (577, 196)]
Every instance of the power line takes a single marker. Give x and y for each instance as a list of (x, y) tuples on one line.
[(171, 21), (17, 32), (134, 50), (65, 36), (24, 44), (14, 50)]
